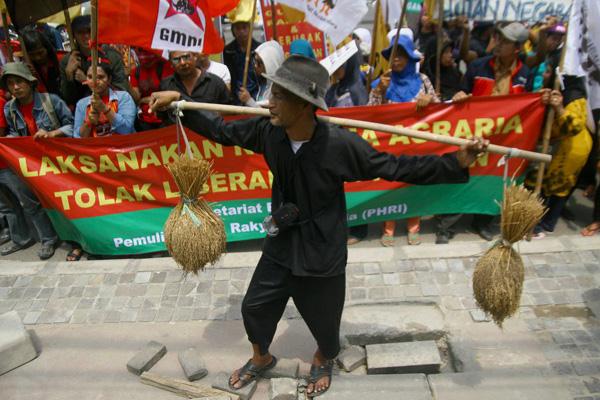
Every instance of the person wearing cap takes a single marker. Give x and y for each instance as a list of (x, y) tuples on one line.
[(234, 57), (305, 252), (302, 47), (73, 68), (42, 116), (402, 84), (267, 58), (499, 74), (550, 37)]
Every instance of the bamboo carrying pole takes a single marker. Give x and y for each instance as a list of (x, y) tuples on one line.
[(72, 42), (549, 122), (9, 52), (249, 46), (352, 123)]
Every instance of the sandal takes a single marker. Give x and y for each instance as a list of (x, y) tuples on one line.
[(414, 239), (387, 240), (318, 372), (75, 255), (591, 229), (352, 240), (250, 372)]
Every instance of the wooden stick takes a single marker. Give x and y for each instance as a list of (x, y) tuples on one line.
[(398, 26), (352, 123), (180, 387), (274, 19), (438, 64), (24, 52), (373, 44), (9, 52), (548, 124), (94, 48), (72, 42), (249, 46)]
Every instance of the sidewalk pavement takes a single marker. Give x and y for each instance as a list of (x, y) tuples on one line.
[(91, 317)]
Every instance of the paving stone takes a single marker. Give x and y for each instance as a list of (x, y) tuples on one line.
[(498, 385), (127, 277), (221, 382), (591, 299), (285, 368), (352, 357), (479, 316), (381, 323), (183, 314), (378, 387), (407, 357), (145, 359), (146, 315), (562, 367), (142, 277), (283, 389), (592, 384), (586, 367), (16, 346), (129, 315), (192, 363)]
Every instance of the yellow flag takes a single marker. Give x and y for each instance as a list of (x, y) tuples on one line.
[(292, 15), (243, 11), (59, 18), (381, 42)]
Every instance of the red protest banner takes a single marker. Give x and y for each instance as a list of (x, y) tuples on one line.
[(113, 194)]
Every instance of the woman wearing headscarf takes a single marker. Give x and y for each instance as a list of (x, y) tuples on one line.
[(574, 144), (267, 58), (349, 91), (302, 47), (402, 84)]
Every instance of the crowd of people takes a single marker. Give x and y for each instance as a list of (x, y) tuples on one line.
[(51, 96)]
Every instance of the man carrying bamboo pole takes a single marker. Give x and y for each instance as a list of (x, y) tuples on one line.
[(305, 252)]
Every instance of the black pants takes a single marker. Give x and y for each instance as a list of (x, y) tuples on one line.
[(320, 302), (446, 222), (555, 206)]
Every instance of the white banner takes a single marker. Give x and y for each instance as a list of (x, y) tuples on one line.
[(507, 10), (337, 18), (583, 47)]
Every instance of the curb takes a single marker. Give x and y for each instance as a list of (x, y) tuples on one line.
[(250, 259)]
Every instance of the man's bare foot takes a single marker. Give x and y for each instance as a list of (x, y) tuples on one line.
[(258, 362), (322, 367)]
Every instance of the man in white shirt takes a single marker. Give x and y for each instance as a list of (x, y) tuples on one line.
[(215, 68)]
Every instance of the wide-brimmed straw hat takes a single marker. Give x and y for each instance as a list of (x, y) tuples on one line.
[(304, 77)]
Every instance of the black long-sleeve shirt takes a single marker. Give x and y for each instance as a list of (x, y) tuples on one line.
[(313, 179)]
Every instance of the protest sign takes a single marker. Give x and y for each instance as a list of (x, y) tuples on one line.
[(339, 57), (113, 194), (507, 10)]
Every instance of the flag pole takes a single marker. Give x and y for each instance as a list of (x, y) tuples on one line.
[(373, 45), (438, 64), (9, 52), (274, 19), (249, 46), (549, 122), (398, 26), (94, 44), (67, 14)]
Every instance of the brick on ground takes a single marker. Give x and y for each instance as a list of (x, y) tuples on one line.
[(283, 389), (403, 358), (285, 368), (145, 359), (378, 387), (16, 346), (221, 382), (352, 357), (192, 363)]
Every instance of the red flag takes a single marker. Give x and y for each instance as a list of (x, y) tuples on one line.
[(184, 25)]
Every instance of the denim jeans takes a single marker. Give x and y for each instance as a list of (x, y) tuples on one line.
[(29, 206)]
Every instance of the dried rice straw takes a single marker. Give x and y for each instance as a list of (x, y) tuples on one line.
[(194, 234), (499, 274)]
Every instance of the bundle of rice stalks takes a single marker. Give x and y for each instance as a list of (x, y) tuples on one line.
[(194, 234), (499, 274)]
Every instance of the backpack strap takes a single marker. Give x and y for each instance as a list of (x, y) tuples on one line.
[(13, 114), (49, 109)]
